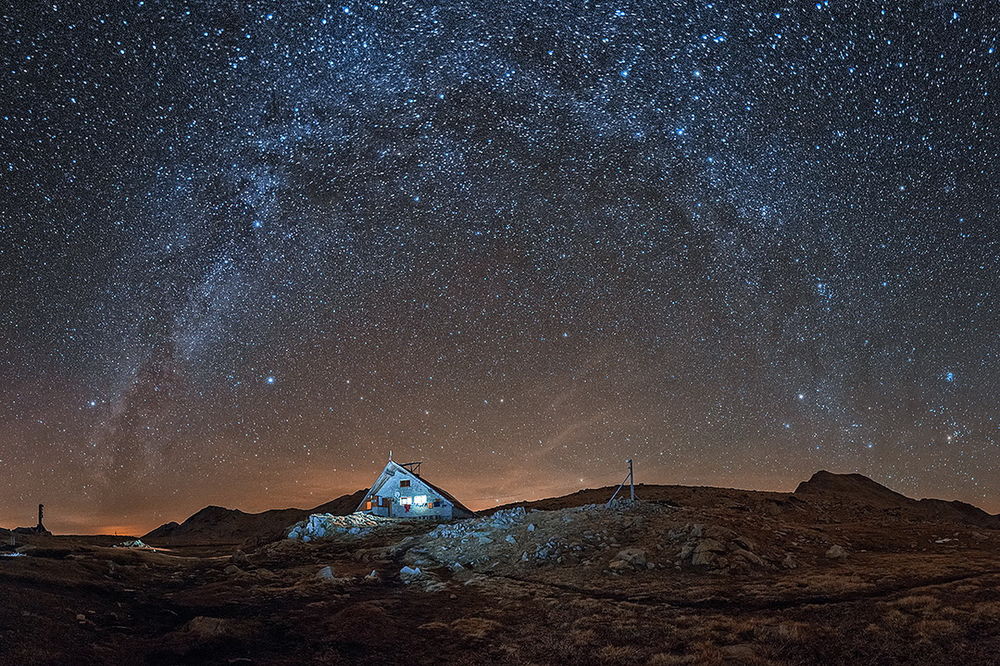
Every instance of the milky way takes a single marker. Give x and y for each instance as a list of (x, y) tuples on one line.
[(248, 249)]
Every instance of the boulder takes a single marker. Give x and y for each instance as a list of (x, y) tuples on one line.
[(232, 569), (326, 573), (836, 552), (239, 558), (752, 558), (636, 557), (703, 558), (208, 628), (789, 562), (676, 535), (410, 574), (709, 545), (720, 533)]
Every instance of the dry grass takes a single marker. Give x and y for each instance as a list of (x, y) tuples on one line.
[(664, 659), (933, 629), (986, 613), (858, 611), (916, 604), (620, 654), (791, 632), (896, 619), (474, 627)]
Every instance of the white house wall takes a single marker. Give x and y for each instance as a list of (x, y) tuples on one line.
[(387, 485)]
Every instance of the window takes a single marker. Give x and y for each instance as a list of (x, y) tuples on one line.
[(404, 483), (420, 499), (437, 503), (404, 500)]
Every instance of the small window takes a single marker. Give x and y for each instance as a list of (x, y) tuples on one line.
[(404, 483), (437, 503), (420, 499)]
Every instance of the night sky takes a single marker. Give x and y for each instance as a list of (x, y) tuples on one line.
[(247, 249)]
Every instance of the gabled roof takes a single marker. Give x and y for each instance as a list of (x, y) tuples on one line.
[(445, 494), (395, 466)]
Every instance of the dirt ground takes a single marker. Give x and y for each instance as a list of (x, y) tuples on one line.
[(734, 578)]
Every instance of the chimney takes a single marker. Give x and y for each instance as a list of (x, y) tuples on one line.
[(41, 510)]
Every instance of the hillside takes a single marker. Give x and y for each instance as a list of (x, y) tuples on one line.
[(691, 496), (837, 492), (825, 497), (853, 487), (843, 570), (217, 525)]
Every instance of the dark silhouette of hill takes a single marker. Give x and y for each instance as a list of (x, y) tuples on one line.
[(825, 497), (855, 489), (216, 524)]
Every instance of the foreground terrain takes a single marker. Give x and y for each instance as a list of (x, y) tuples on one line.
[(841, 571)]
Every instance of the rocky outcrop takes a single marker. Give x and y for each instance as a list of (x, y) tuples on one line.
[(321, 526), (715, 547)]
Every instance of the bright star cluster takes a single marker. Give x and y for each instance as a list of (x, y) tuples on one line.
[(247, 249)]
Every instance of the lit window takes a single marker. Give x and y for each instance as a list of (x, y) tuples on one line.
[(420, 499), (404, 500)]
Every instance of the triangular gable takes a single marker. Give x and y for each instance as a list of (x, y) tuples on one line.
[(392, 468)]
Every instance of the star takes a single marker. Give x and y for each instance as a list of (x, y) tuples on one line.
[(644, 227)]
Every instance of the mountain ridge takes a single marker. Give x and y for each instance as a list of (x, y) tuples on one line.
[(837, 495), (861, 489), (216, 524)]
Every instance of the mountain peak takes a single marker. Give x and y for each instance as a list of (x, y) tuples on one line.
[(856, 486)]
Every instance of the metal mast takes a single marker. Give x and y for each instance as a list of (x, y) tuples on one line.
[(630, 480)]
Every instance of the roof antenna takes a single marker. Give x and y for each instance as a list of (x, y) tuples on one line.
[(390, 455)]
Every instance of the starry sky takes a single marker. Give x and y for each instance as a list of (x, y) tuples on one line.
[(247, 249)]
